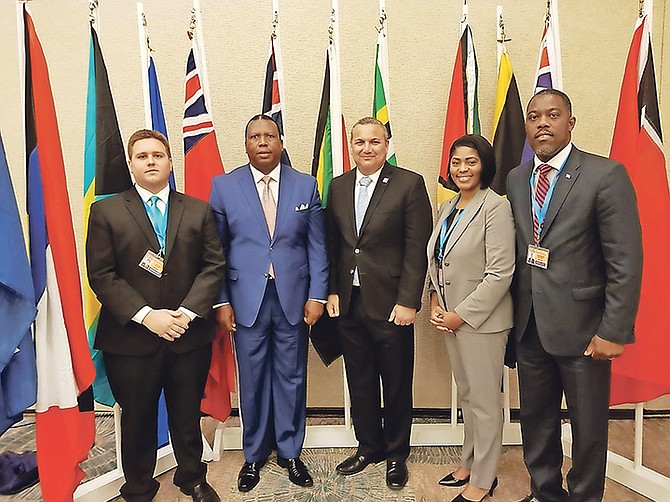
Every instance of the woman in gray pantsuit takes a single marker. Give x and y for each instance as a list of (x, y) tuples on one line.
[(471, 261)]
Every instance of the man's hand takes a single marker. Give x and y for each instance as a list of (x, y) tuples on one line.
[(313, 311), (402, 316), (168, 324), (333, 305), (225, 318), (600, 348)]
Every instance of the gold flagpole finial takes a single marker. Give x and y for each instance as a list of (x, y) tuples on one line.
[(191, 27)]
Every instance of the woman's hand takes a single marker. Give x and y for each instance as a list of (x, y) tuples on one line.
[(441, 319)]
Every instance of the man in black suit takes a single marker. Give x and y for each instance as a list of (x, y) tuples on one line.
[(155, 263), (379, 222), (576, 290)]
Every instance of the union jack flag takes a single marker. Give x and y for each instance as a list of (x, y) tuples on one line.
[(272, 104)]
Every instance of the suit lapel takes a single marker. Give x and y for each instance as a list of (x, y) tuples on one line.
[(467, 216), (248, 188), (524, 218), (349, 207), (137, 210), (564, 184), (384, 180), (287, 181), (175, 210)]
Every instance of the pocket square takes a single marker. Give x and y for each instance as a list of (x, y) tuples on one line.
[(302, 207)]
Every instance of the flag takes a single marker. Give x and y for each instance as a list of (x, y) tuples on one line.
[(331, 156), (380, 99), (641, 373), (462, 107), (202, 162), (157, 115), (273, 89), (549, 74), (18, 375), (65, 426), (508, 125), (105, 172)]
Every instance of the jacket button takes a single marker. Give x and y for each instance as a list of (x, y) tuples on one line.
[(447, 283), (271, 248), (446, 264), (357, 251), (351, 271)]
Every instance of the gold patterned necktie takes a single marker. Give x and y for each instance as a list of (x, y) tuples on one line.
[(270, 211)]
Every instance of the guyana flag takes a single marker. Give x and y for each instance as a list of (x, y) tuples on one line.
[(508, 125), (380, 102), (331, 156)]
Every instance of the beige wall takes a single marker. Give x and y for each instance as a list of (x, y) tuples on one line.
[(423, 36)]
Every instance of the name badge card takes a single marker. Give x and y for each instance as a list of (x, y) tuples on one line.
[(537, 256), (152, 263)]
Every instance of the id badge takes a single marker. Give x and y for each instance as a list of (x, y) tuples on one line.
[(152, 263), (537, 256)]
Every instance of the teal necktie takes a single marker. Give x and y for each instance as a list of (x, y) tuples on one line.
[(158, 220)]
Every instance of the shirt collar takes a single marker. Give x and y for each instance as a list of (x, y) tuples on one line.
[(374, 176), (557, 160), (258, 175), (162, 194)]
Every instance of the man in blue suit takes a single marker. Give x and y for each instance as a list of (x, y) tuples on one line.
[(271, 225)]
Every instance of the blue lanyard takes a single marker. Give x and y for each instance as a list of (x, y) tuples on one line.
[(446, 232), (541, 212)]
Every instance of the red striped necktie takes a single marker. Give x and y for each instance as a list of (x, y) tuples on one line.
[(541, 190)]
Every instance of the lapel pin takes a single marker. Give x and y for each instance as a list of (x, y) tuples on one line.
[(385, 180), (567, 175)]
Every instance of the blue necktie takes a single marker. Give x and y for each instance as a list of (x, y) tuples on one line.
[(158, 220), (362, 201)]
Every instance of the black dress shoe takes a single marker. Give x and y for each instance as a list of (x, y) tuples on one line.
[(356, 463), (297, 471), (494, 485), (202, 492), (450, 480), (529, 498), (396, 474), (249, 475)]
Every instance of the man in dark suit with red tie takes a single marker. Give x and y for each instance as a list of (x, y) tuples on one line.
[(379, 221), (155, 263), (576, 289)]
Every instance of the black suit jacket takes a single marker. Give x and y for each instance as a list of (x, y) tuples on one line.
[(119, 235), (592, 231), (390, 251)]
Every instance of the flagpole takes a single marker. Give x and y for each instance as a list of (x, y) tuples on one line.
[(279, 63), (500, 46), (335, 100), (143, 34), (647, 7), (464, 17), (553, 20), (20, 33), (202, 60)]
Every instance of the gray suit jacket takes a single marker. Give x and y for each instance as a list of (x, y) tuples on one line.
[(592, 230), (478, 265)]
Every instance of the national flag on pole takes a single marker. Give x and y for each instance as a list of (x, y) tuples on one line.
[(18, 375), (156, 105), (274, 90), (508, 125), (462, 107), (549, 74), (641, 373), (202, 162), (65, 426), (105, 173), (331, 155), (380, 99)]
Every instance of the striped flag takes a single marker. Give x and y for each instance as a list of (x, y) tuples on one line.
[(331, 155), (508, 125), (18, 375), (105, 173), (380, 100), (273, 91), (65, 426), (549, 74), (462, 107), (641, 373), (202, 162)]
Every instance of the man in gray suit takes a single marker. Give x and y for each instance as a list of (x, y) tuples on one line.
[(576, 289)]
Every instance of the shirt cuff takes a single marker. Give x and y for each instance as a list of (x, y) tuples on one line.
[(318, 300), (217, 305), (141, 314), (190, 314)]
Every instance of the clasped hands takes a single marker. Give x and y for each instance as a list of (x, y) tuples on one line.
[(400, 315), (441, 319), (167, 324)]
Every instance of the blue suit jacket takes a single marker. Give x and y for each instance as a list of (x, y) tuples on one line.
[(297, 249)]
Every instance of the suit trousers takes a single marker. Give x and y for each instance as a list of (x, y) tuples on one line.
[(136, 382), (543, 378), (477, 363), (272, 367), (374, 349)]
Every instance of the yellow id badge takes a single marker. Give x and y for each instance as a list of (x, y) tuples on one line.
[(152, 263), (537, 256)]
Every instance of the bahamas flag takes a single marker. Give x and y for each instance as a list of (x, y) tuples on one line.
[(18, 375), (331, 155), (65, 426), (105, 173), (380, 100)]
